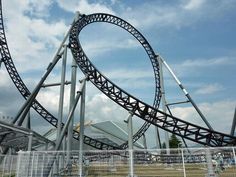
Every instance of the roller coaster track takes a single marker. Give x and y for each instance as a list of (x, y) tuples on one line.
[(22, 88), (8, 62), (135, 106)]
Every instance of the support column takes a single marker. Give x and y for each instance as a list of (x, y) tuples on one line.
[(81, 132), (61, 103), (233, 124), (62, 88), (30, 141), (144, 141), (72, 99), (163, 101), (64, 130), (24, 109), (158, 140), (28, 121)]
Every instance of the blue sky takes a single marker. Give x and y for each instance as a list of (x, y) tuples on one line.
[(195, 37)]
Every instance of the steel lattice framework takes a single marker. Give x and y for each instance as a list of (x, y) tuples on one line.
[(7, 60), (135, 106), (151, 114), (20, 85)]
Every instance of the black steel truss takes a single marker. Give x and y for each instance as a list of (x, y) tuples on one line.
[(6, 58), (135, 106), (20, 85)]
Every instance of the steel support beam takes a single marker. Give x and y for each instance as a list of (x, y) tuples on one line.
[(55, 84), (64, 130), (144, 141), (30, 141), (185, 92), (28, 121), (62, 88), (26, 106), (233, 124), (181, 102), (81, 132), (163, 102), (72, 99), (33, 95)]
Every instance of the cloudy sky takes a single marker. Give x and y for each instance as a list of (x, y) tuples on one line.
[(195, 37)]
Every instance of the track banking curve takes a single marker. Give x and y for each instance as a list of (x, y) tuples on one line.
[(135, 106), (8, 62)]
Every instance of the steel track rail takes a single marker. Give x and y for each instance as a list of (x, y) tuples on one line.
[(132, 104), (7, 60), (22, 88)]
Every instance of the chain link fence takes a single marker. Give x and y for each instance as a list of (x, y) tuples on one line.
[(194, 162)]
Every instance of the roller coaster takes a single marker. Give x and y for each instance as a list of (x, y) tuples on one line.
[(151, 114)]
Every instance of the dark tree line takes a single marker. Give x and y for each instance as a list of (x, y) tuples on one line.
[(173, 141)]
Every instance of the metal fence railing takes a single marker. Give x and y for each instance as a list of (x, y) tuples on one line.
[(8, 165), (193, 162)]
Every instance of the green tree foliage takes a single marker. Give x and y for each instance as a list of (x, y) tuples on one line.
[(174, 141), (163, 146)]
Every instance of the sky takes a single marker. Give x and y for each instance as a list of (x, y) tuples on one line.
[(195, 37)]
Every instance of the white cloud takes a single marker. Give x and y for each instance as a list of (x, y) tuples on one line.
[(39, 8), (83, 6), (156, 16), (125, 73), (193, 66), (4, 81), (105, 45), (30, 38), (193, 4), (208, 62), (177, 15), (100, 108), (218, 114), (209, 89)]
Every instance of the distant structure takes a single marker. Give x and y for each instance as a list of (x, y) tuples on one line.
[(110, 132), (5, 118)]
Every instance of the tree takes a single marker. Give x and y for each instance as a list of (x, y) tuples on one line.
[(174, 141), (163, 146)]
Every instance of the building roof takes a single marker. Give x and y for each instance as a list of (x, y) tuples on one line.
[(107, 131)]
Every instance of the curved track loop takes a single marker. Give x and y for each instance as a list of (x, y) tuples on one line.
[(6, 58), (146, 112), (8, 62)]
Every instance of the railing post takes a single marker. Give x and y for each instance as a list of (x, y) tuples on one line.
[(18, 168), (210, 170), (32, 165), (130, 142), (234, 156), (11, 161), (42, 170), (182, 152), (4, 165)]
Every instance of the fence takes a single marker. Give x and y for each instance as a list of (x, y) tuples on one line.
[(198, 162)]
